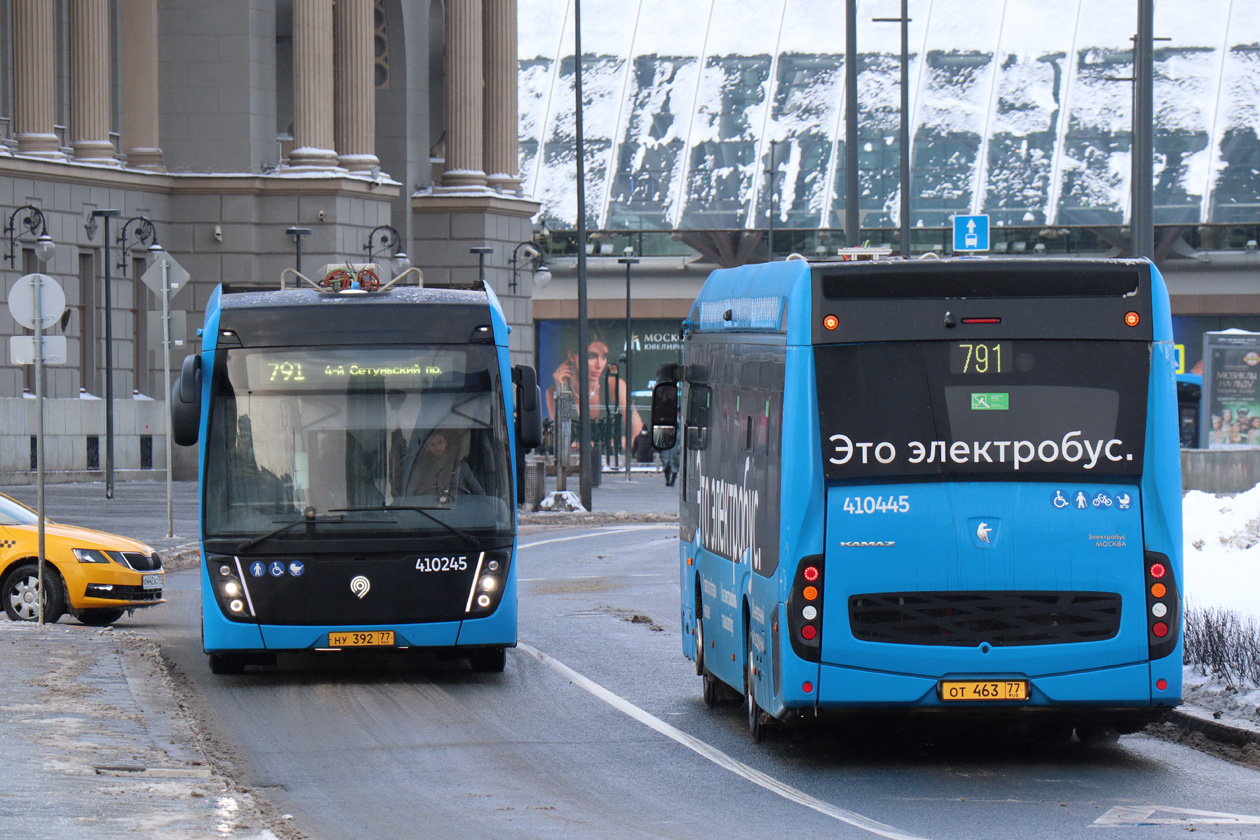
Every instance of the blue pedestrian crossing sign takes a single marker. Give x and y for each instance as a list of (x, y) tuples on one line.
[(971, 233)]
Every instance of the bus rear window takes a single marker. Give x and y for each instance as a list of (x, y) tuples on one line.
[(1007, 408)]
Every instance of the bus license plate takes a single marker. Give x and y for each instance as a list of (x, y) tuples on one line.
[(982, 690), (362, 638), (151, 581)]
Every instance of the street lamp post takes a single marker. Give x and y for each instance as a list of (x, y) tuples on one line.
[(109, 356), (481, 251), (628, 261), (297, 233), (904, 20)]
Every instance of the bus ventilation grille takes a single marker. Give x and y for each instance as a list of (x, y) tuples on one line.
[(972, 618)]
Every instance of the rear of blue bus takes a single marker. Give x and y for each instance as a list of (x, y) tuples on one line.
[(999, 477)]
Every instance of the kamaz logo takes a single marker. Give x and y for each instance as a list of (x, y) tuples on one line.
[(867, 544)]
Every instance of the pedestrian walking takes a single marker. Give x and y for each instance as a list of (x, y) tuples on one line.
[(669, 462)]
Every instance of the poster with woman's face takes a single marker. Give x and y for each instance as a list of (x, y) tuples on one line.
[(653, 342)]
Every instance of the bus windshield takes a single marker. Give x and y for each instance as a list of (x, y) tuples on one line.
[(355, 442), (1005, 408)]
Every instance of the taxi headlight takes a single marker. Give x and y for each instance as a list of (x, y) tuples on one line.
[(90, 555)]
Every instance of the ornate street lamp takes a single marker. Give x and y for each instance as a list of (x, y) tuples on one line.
[(145, 234), (35, 223), (386, 238), (534, 259)]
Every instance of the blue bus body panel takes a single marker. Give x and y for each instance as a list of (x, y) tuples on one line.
[(1033, 545)]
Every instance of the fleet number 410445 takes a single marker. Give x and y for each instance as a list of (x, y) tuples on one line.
[(876, 504)]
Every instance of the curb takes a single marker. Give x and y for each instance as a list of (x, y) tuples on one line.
[(1214, 730), (592, 518)]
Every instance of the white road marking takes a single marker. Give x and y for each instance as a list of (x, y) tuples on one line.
[(1130, 815), (603, 533), (717, 756)]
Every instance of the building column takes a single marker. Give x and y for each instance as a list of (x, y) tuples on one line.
[(34, 51), (89, 82), (464, 96), (502, 159), (140, 85), (313, 85), (355, 111)]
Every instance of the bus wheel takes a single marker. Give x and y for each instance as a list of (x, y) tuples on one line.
[(225, 664), (750, 699), (712, 692), (700, 639), (1097, 734), (489, 661)]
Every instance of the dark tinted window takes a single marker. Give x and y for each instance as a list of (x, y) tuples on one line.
[(924, 408)]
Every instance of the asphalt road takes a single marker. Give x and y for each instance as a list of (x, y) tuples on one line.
[(596, 729), (380, 746)]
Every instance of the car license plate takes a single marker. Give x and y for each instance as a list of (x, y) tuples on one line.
[(151, 581), (983, 690), (362, 638)]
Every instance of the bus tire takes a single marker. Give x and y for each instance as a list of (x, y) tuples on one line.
[(700, 638), (711, 691), (226, 664), (755, 728), (489, 660)]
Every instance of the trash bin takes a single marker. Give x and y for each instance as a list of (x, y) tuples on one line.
[(535, 483)]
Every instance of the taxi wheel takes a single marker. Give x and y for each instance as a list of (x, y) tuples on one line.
[(21, 587), (99, 618)]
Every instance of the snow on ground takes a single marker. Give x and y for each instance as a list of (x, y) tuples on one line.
[(1222, 569), (1222, 551)]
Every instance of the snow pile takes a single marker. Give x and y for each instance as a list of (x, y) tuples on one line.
[(1222, 557)]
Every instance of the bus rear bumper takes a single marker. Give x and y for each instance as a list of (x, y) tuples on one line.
[(1126, 686)]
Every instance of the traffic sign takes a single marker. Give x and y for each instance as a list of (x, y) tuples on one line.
[(52, 301), (22, 349), (179, 328), (176, 274), (971, 233)]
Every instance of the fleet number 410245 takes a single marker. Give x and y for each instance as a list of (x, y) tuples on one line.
[(876, 504)]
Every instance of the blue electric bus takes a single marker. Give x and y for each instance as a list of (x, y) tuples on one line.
[(948, 486), (357, 453)]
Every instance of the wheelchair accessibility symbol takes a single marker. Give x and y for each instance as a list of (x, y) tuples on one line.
[(1059, 500)]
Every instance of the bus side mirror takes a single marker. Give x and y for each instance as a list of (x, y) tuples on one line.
[(664, 415), (528, 407), (186, 402)]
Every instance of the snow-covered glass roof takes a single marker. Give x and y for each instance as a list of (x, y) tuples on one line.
[(1019, 110)]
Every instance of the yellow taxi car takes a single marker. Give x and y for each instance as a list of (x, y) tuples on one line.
[(94, 576)]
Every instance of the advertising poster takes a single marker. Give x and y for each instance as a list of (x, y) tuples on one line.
[(1231, 389), (654, 341)]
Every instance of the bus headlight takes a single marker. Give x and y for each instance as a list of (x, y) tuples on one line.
[(488, 582), (230, 590)]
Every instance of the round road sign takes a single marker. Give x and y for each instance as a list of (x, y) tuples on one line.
[(22, 301)]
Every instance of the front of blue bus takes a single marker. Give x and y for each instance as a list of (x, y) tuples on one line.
[(356, 475), (1000, 480)]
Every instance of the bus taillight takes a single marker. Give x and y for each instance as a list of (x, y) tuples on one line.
[(1163, 606), (804, 609)]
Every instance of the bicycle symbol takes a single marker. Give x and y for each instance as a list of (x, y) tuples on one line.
[(1102, 500)]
